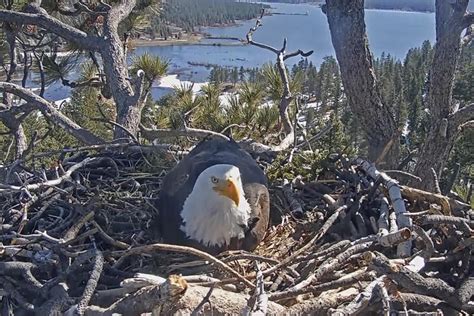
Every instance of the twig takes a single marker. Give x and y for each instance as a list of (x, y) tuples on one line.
[(332, 264), (429, 246), (437, 189), (347, 280), (258, 303), (108, 239), (205, 300), (309, 244), (295, 206), (183, 249), (92, 283), (403, 174), (31, 187), (152, 134), (413, 281)]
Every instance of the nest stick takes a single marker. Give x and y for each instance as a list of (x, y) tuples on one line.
[(183, 249)]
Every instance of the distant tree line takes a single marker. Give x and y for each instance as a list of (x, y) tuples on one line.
[(292, 1), (404, 85), (189, 14), (407, 5)]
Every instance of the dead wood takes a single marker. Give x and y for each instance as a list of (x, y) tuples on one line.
[(87, 245)]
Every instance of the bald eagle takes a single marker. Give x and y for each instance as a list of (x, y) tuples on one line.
[(215, 199)]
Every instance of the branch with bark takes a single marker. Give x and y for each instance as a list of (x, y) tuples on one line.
[(129, 99), (51, 113), (451, 20), (349, 38), (307, 265), (38, 16)]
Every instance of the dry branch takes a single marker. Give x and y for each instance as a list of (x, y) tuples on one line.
[(320, 261), (287, 96), (183, 249), (394, 191)]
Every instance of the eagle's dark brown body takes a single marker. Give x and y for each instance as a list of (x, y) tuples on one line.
[(179, 183)]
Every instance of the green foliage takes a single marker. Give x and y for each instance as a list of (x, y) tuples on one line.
[(86, 107), (188, 14), (58, 68), (153, 66), (463, 191), (307, 164), (389, 73), (271, 75), (6, 145)]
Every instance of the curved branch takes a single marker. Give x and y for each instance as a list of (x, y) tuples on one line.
[(153, 248), (261, 45), (36, 186), (152, 134), (461, 116), (53, 25), (468, 19), (51, 114), (298, 52)]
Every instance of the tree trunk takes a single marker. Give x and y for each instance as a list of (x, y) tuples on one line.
[(128, 99), (10, 121), (128, 93), (348, 34), (445, 121)]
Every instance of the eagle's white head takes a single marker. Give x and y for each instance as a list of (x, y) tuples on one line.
[(216, 210)]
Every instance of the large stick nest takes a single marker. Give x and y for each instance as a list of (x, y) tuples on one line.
[(79, 237)]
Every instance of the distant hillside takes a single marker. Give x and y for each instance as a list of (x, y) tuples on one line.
[(177, 16), (406, 5)]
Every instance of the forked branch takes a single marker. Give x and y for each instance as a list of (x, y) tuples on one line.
[(287, 96)]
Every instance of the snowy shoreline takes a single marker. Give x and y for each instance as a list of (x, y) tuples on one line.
[(172, 81)]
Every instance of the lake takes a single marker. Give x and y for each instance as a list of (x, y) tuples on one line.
[(393, 32)]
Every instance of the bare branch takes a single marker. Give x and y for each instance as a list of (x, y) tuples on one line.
[(468, 20), (250, 40), (183, 249), (460, 117), (51, 114), (119, 12), (467, 125), (298, 52), (36, 186), (395, 194), (152, 134), (467, 38)]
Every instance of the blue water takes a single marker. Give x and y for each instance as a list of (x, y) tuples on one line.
[(393, 32)]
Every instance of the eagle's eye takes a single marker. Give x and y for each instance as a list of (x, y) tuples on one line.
[(214, 180)]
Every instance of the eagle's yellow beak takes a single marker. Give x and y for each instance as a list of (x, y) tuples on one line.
[(228, 188)]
